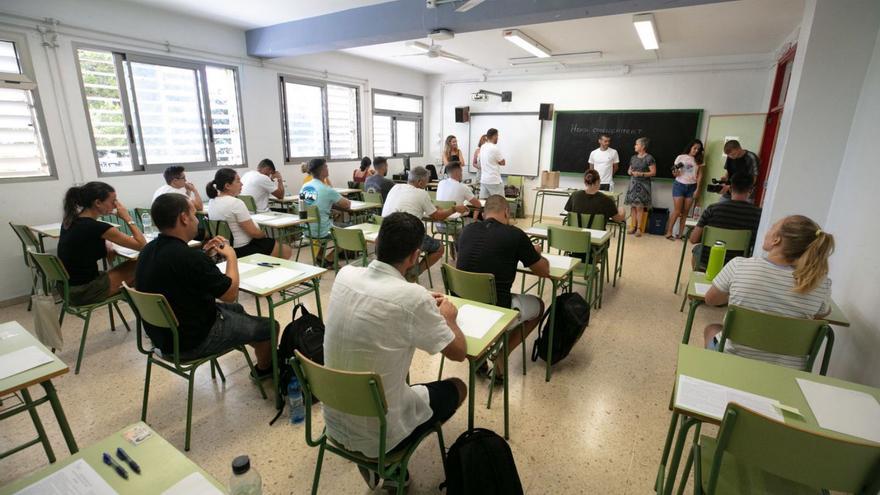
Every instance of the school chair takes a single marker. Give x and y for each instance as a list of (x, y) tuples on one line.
[(796, 337), (358, 394), (249, 202), (376, 219), (29, 243), (155, 310), (574, 240), (432, 195), (55, 275), (735, 240), (355, 185), (595, 221), (219, 227), (756, 454), (117, 221), (518, 203), (372, 197), (317, 245), (348, 240)]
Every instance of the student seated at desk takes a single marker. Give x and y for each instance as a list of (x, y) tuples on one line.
[(792, 280), (191, 282), (376, 320), (412, 198), (737, 214), (378, 183), (494, 246), (451, 188), (247, 238), (263, 182), (307, 176), (318, 194), (85, 240), (175, 182), (363, 172), (592, 201)]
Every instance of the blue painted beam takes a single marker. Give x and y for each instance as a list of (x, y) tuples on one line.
[(402, 20)]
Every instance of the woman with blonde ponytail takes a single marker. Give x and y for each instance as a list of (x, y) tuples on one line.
[(791, 280)]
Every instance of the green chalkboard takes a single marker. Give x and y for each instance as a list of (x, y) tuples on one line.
[(575, 135)]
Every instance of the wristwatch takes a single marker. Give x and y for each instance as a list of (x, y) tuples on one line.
[(131, 222)]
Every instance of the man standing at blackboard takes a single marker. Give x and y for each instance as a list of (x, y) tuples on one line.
[(491, 162), (605, 161)]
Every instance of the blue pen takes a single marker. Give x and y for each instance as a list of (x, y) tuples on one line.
[(270, 265), (108, 460), (123, 456)]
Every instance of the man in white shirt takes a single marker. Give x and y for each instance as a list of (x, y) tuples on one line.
[(413, 199), (175, 182), (376, 320), (263, 182), (451, 188), (605, 160), (491, 162)]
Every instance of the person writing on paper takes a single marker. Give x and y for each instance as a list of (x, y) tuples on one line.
[(263, 182), (175, 182), (736, 214), (412, 198), (688, 172), (494, 246), (190, 281), (247, 238), (475, 162), (605, 160), (85, 240), (376, 321), (641, 167), (378, 182), (791, 280), (316, 193), (491, 162), (451, 153)]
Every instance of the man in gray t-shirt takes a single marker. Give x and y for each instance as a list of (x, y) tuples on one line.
[(378, 182)]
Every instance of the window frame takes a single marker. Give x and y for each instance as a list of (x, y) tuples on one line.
[(417, 117), (28, 77), (285, 130), (133, 121)]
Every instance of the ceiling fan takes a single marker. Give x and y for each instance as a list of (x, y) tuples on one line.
[(432, 51)]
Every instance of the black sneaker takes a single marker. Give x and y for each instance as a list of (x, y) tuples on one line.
[(370, 477), (391, 485), (483, 370), (261, 374)]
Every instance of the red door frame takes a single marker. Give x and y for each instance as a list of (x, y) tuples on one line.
[(774, 115)]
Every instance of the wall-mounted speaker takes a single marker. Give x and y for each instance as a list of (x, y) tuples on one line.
[(546, 111), (462, 114)]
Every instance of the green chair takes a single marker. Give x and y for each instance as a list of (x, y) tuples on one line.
[(735, 240), (778, 334), (432, 195), (249, 202), (155, 310), (574, 240), (518, 207), (55, 275), (116, 220), (29, 244), (357, 394), (376, 219), (756, 454), (323, 243), (373, 197), (219, 227), (348, 240), (595, 221)]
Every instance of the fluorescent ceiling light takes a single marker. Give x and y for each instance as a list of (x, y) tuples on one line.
[(647, 30), (469, 5), (519, 39)]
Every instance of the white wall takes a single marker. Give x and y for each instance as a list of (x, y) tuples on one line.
[(137, 28)]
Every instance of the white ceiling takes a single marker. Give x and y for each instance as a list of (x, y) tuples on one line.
[(743, 27), (255, 13)]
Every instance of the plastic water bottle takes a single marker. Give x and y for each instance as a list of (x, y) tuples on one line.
[(245, 480), (301, 208), (147, 220), (295, 402), (716, 259)]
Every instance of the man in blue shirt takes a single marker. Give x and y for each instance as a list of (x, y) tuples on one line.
[(317, 193)]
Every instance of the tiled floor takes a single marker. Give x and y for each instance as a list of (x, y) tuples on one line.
[(597, 427)]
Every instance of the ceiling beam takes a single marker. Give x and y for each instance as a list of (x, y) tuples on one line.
[(401, 20)]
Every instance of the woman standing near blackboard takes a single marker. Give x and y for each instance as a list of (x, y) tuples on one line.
[(688, 171), (641, 168), (451, 153)]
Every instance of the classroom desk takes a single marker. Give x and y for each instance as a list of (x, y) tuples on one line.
[(161, 464), (479, 350), (14, 337), (305, 282), (748, 375), (558, 276), (563, 192), (358, 210), (52, 231), (280, 226), (689, 224), (347, 191), (132, 254), (371, 231)]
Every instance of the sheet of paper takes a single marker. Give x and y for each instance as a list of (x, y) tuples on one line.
[(536, 231), (262, 217), (371, 236), (454, 216), (242, 267), (846, 411), (194, 484), (77, 478), (126, 252), (711, 399), (272, 278), (48, 226), (556, 261), (21, 360), (281, 220), (701, 289), (475, 321), (356, 204)]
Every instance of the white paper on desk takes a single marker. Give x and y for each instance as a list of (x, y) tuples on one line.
[(77, 478), (262, 217), (536, 231), (48, 226), (701, 289), (371, 236), (454, 216), (272, 278), (356, 204), (711, 399), (280, 220), (846, 411), (126, 252), (194, 484), (475, 321), (21, 360), (242, 267), (556, 261)]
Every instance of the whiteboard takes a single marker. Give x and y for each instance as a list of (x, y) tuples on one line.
[(519, 137)]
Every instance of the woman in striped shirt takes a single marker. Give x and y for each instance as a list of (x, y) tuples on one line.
[(792, 280)]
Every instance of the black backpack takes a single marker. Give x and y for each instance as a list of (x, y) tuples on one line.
[(304, 334), (572, 317), (480, 462)]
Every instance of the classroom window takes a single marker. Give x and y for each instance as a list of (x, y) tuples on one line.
[(397, 124), (148, 112), (24, 152), (320, 120)]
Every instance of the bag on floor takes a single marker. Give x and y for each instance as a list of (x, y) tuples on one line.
[(46, 326), (304, 334), (572, 317), (657, 221), (480, 462)]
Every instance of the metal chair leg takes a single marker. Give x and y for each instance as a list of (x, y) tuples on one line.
[(38, 425), (189, 407), (317, 477), (82, 342), (146, 389)]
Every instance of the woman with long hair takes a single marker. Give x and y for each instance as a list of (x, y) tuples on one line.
[(85, 240), (361, 173), (247, 238), (791, 280), (451, 153), (688, 172), (475, 162), (641, 168)]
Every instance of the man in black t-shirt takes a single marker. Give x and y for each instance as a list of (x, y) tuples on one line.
[(378, 183), (190, 281), (494, 246), (736, 214), (739, 161)]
